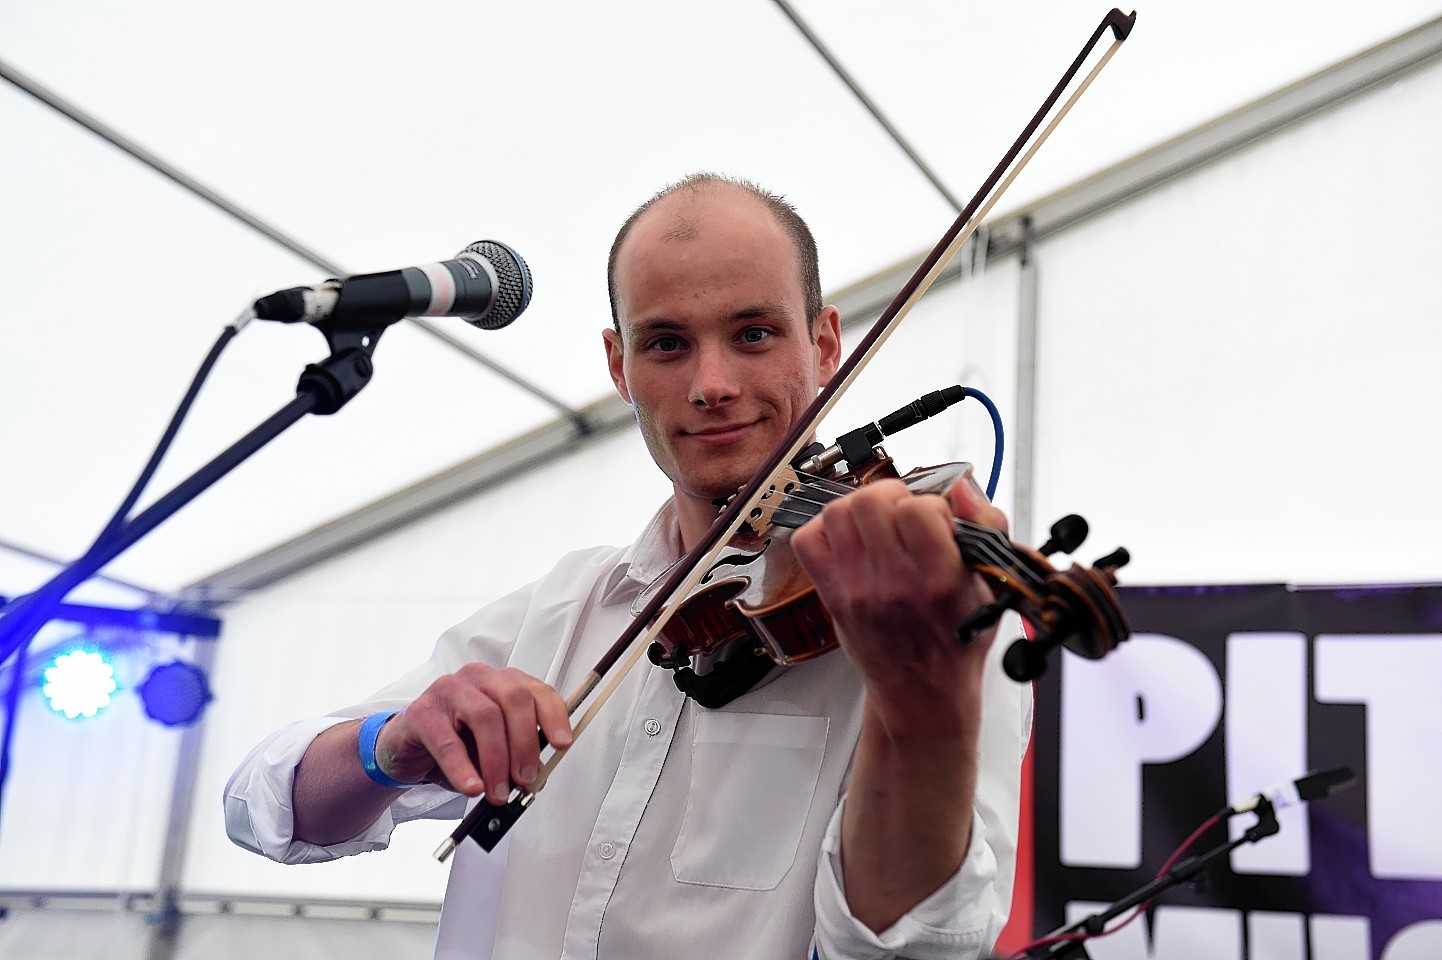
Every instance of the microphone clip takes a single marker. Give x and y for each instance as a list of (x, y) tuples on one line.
[(337, 378), (1266, 824), (343, 374)]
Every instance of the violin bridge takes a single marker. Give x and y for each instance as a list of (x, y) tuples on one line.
[(762, 516)]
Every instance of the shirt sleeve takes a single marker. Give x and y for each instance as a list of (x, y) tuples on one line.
[(258, 811), (259, 815), (962, 918)]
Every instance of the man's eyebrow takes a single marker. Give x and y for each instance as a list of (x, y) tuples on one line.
[(760, 310), (745, 314), (660, 323)]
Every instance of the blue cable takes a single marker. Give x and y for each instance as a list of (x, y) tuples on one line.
[(1000, 438)]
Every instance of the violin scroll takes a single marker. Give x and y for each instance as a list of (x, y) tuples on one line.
[(1080, 612)]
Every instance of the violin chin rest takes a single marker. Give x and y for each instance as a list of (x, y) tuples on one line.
[(727, 679)]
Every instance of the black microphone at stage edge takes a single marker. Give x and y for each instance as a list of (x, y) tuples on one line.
[(487, 284)]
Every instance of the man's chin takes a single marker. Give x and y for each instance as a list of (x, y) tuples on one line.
[(719, 477), (717, 490)]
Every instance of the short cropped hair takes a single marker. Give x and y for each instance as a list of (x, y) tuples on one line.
[(785, 214)]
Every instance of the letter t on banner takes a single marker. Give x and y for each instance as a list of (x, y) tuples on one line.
[(1267, 742)]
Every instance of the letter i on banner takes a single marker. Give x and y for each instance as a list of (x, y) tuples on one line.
[(1267, 742)]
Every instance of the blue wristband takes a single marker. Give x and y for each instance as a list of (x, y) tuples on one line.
[(370, 731)]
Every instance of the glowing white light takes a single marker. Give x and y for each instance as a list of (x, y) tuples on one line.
[(79, 684)]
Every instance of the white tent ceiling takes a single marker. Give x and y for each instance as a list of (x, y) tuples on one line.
[(381, 136)]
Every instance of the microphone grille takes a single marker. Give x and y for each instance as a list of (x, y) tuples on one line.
[(513, 283)]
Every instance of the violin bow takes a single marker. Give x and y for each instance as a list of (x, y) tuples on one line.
[(486, 822)]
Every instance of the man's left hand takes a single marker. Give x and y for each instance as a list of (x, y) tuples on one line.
[(886, 565)]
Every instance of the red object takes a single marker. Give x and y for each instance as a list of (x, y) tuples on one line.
[(1017, 931)]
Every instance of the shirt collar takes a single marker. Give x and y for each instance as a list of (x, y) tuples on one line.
[(649, 556)]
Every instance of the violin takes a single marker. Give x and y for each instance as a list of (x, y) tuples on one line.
[(1059, 603), (758, 603)]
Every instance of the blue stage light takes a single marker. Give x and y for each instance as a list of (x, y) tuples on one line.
[(79, 684), (175, 693)]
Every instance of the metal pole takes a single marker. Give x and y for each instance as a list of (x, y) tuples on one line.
[(164, 923), (1024, 426)]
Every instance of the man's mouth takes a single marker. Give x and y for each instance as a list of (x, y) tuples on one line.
[(719, 434)]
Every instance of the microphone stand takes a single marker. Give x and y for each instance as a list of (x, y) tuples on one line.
[(323, 389), (1265, 826)]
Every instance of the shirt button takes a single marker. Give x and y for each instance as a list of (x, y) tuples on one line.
[(607, 850), (653, 727)]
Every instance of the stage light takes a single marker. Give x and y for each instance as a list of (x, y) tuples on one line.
[(175, 693), (79, 684)]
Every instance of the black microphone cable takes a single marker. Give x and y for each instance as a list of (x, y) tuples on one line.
[(122, 513)]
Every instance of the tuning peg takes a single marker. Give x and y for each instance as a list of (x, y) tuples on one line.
[(1025, 660), (1115, 560), (1066, 535)]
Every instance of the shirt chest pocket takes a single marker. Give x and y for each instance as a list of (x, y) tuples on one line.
[(753, 781)]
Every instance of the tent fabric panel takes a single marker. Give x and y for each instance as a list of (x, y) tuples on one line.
[(88, 800), (1239, 387)]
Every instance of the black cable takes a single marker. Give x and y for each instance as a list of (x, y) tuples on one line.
[(117, 522)]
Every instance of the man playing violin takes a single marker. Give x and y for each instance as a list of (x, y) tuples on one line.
[(856, 806)]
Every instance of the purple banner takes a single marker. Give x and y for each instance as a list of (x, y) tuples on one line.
[(1223, 693)]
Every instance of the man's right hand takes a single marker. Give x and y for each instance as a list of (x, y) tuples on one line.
[(471, 731), (475, 730)]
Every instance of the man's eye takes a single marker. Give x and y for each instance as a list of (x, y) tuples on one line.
[(666, 344), (754, 334)]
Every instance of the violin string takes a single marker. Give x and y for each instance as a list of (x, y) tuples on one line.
[(993, 546), (791, 519), (806, 500), (984, 538)]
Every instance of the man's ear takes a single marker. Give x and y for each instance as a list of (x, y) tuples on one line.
[(615, 362), (826, 334)]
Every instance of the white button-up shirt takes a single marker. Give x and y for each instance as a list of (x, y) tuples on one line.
[(668, 826)]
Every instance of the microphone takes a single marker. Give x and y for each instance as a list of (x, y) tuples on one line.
[(487, 284), (1311, 786), (856, 446)]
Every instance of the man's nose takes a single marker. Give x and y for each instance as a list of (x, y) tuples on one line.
[(713, 379)]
